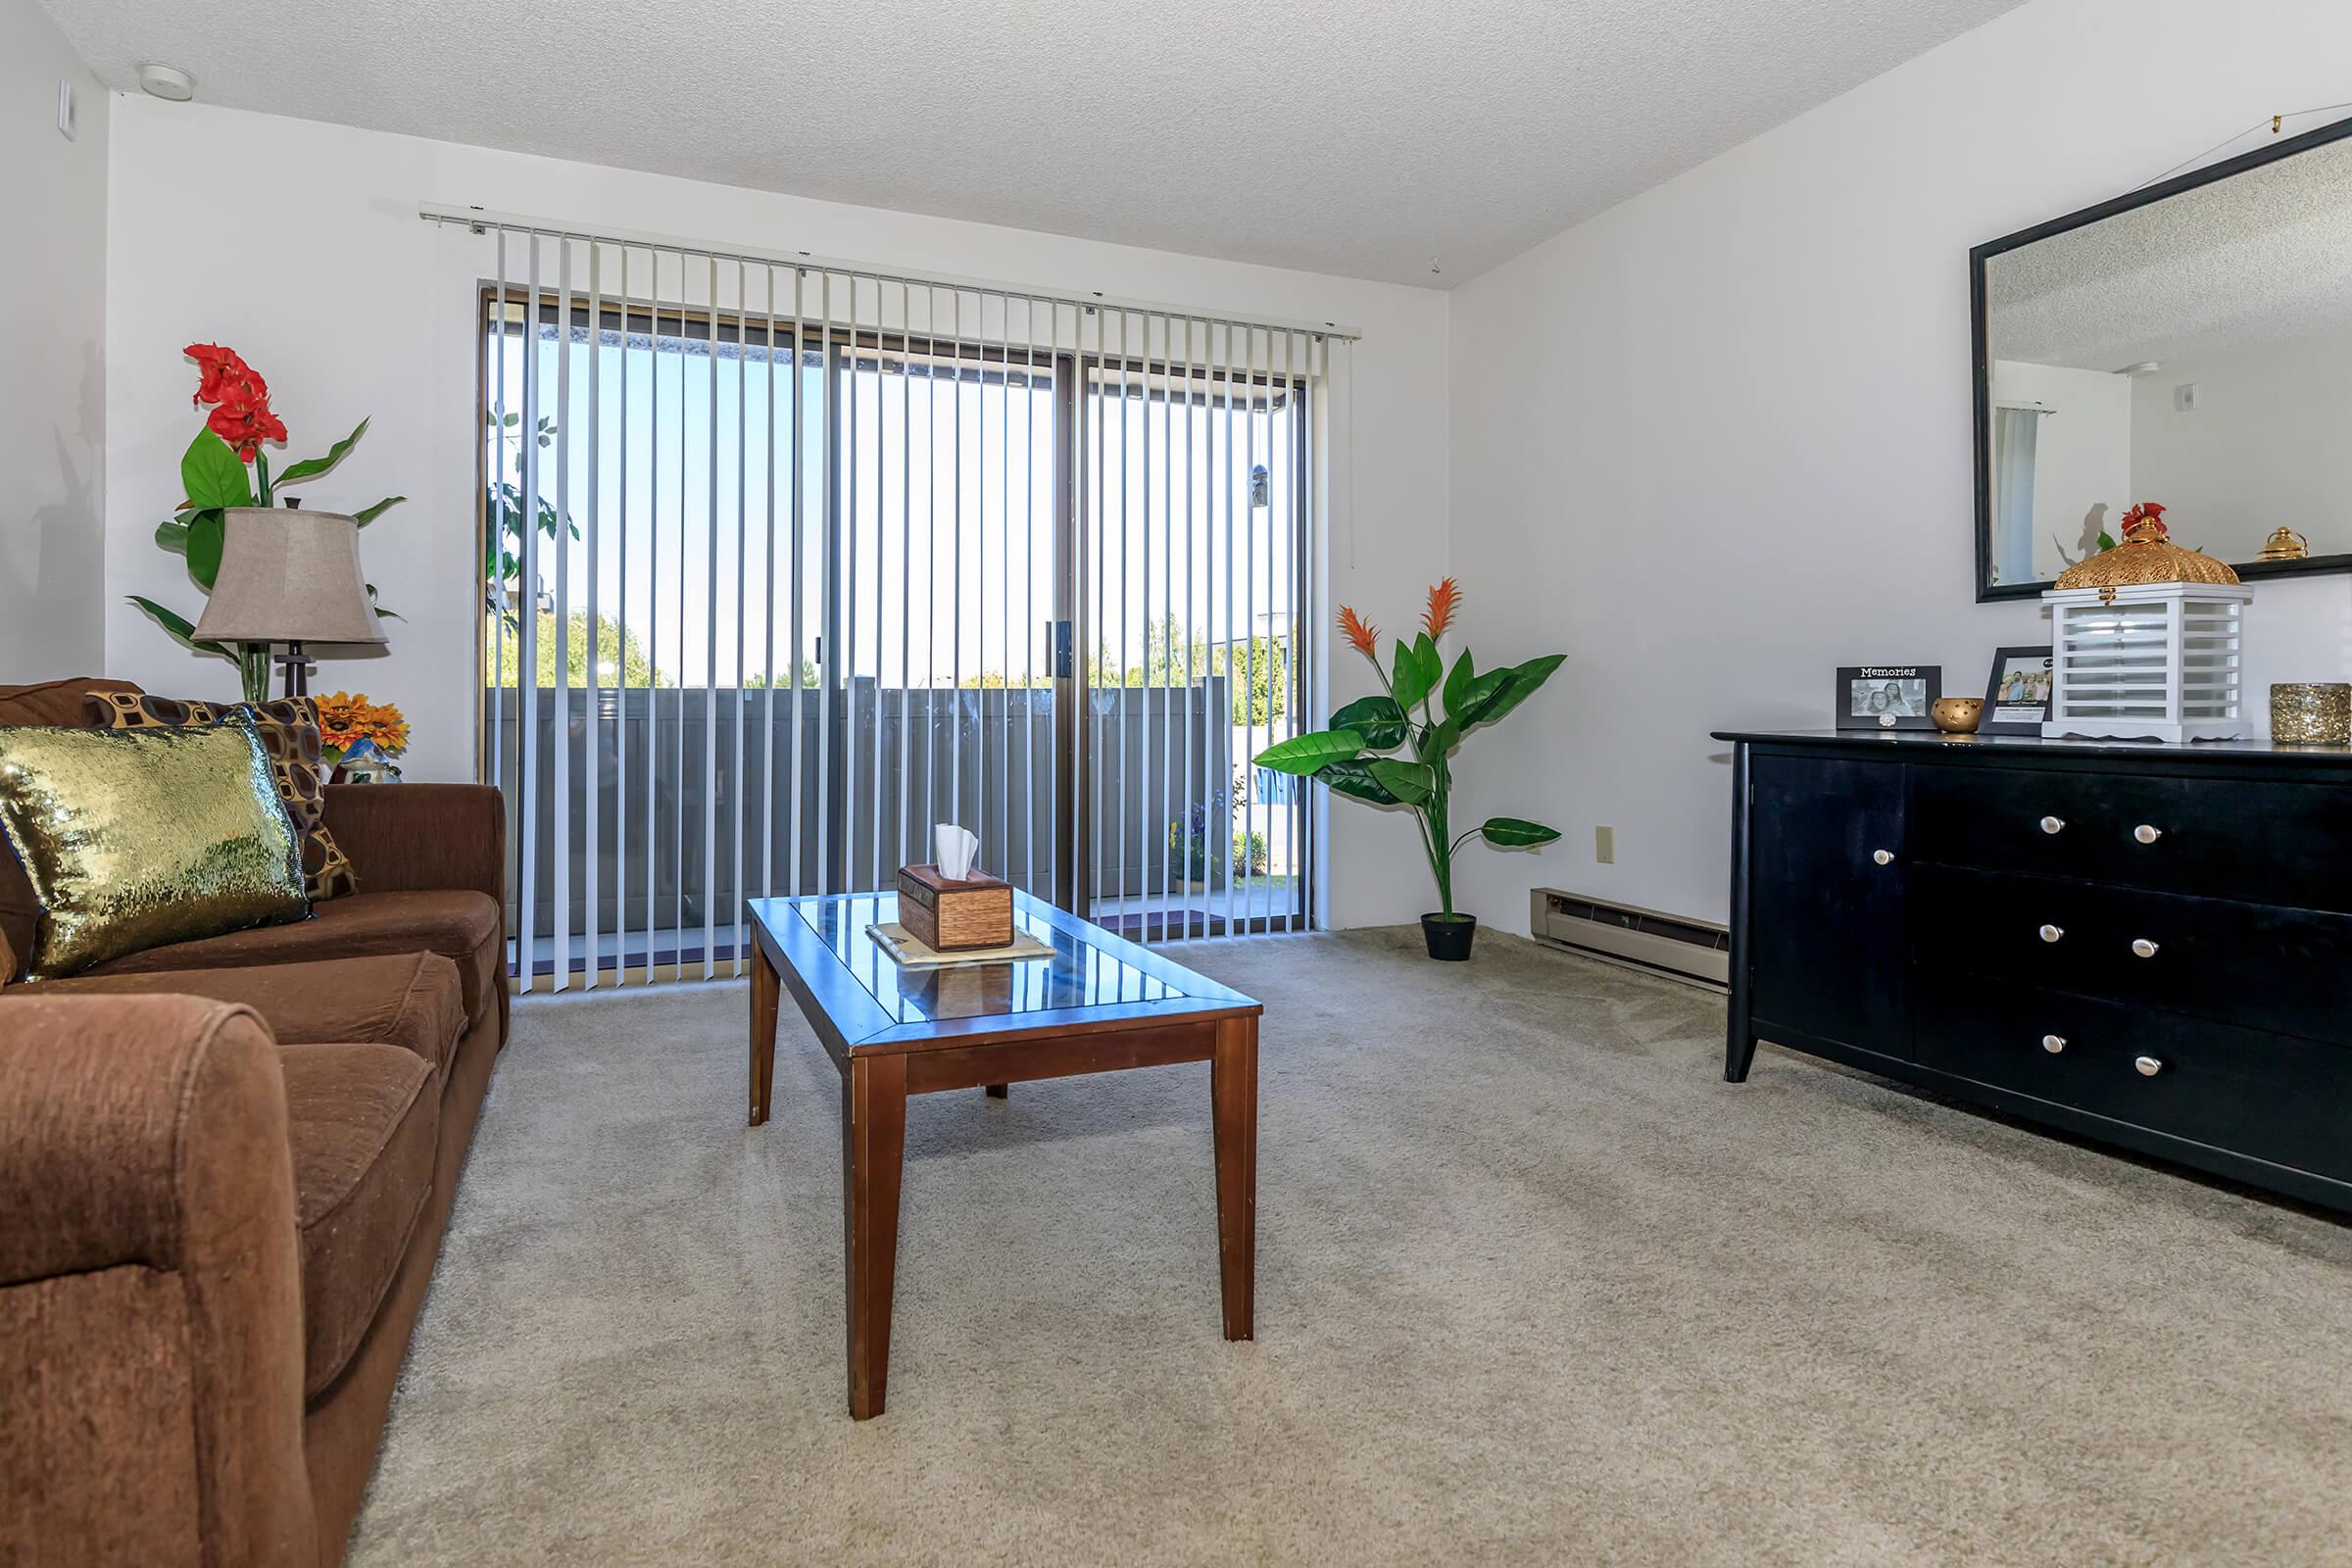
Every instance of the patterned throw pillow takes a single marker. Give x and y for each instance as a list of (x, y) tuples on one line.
[(290, 732)]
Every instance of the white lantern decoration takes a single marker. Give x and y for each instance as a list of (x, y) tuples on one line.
[(2159, 661), (2145, 641)]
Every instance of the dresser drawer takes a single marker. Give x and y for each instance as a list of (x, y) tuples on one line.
[(2270, 1096), (2268, 843), (2256, 965)]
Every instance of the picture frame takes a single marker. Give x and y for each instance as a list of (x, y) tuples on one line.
[(1886, 697), (2015, 702)]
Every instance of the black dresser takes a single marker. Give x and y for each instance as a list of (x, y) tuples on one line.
[(2142, 943)]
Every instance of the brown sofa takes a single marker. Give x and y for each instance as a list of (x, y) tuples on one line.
[(224, 1170)]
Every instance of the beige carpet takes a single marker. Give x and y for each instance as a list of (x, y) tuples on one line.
[(1534, 1286)]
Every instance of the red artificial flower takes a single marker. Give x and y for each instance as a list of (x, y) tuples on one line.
[(245, 425), (241, 414), (2147, 516), (1361, 632), (224, 376), (1444, 600)]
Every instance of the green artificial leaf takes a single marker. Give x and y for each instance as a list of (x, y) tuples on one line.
[(1355, 778), (312, 468), (1409, 782), (205, 532), (261, 475), (212, 476), (367, 515), (1437, 740), (172, 534), (1516, 833), (1378, 719), (1458, 683), (2106, 540), (181, 629), (1483, 692), (1405, 677), (1302, 755), (1522, 684), (1432, 664)]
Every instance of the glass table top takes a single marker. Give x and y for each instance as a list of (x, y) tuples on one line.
[(1076, 974)]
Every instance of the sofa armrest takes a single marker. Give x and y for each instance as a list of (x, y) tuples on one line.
[(151, 1355), (404, 837)]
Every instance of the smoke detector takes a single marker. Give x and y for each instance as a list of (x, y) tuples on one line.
[(167, 82)]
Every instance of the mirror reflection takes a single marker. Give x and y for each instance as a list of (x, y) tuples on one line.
[(2196, 352)]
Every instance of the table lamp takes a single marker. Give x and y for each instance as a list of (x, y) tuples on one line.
[(293, 577)]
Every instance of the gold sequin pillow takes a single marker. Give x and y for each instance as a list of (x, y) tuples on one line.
[(133, 839), (290, 732)]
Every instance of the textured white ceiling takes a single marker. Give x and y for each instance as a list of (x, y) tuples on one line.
[(1362, 137), (2248, 262)]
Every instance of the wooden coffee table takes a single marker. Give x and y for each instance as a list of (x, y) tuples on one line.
[(1100, 1002)]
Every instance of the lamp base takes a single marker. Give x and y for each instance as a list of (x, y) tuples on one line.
[(297, 666)]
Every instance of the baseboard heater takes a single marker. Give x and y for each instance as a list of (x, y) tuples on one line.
[(1640, 939)]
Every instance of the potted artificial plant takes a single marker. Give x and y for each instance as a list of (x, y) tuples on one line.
[(214, 481), (1346, 757)]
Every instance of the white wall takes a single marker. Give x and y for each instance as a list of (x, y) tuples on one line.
[(2081, 456), (52, 380), (351, 306), (2265, 447), (1716, 441)]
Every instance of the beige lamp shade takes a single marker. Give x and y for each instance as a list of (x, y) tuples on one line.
[(289, 576)]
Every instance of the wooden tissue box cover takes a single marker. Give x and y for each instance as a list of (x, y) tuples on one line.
[(948, 916)]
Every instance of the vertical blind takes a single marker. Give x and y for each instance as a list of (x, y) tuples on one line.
[(785, 561)]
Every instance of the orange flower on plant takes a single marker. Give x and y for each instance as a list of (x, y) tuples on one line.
[(1444, 600), (1360, 632), (346, 720)]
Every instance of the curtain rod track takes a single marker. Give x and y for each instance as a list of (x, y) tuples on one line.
[(481, 220)]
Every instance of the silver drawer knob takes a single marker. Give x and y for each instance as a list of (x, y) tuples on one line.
[(2146, 1066), (2050, 933), (2053, 824), (2147, 834), (2143, 946), (2053, 1044), (1883, 857)]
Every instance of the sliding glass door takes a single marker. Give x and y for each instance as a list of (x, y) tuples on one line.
[(777, 577), (1195, 532)]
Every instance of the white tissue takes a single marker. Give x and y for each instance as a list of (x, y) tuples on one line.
[(956, 848)]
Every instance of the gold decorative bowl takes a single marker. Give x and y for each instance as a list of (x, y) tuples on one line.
[(1958, 716), (2285, 544), (2307, 713)]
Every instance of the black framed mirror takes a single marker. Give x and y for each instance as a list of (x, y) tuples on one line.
[(2190, 344)]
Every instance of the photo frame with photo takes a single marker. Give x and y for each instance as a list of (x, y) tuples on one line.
[(1888, 697), (2017, 694)]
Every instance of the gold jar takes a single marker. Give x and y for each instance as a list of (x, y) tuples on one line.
[(2305, 713)]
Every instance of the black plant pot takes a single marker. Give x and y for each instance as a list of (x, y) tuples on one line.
[(1448, 939)]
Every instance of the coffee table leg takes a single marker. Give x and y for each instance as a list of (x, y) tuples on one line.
[(1233, 1099), (873, 1151), (763, 1032)]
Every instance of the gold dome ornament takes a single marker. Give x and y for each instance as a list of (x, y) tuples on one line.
[(2146, 556), (2285, 544)]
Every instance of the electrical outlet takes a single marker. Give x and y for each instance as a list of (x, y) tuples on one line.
[(1604, 845), (66, 117)]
